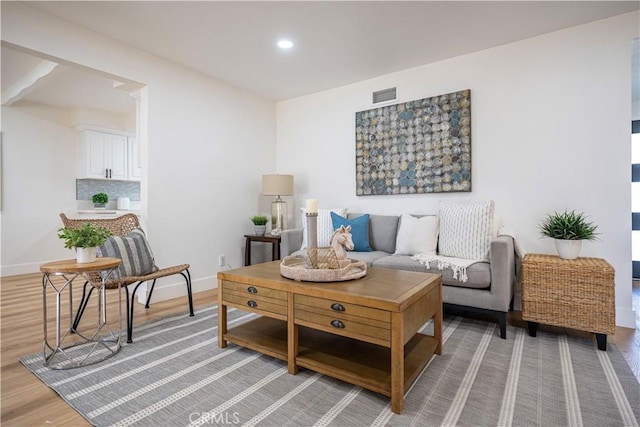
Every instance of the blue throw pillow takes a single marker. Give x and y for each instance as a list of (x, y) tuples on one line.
[(359, 230)]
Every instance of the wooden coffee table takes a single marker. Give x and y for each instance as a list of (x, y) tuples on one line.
[(363, 331)]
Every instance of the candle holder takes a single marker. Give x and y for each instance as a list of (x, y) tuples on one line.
[(312, 237)]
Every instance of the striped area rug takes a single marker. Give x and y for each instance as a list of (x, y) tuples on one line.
[(174, 374)]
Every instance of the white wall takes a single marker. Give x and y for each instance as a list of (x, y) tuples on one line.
[(207, 145), (40, 147), (550, 131), (39, 182), (103, 119)]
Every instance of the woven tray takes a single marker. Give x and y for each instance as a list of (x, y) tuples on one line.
[(297, 268)]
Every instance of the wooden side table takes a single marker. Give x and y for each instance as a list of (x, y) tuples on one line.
[(578, 294), (103, 342), (275, 246)]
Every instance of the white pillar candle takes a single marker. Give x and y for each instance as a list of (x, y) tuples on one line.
[(312, 206)]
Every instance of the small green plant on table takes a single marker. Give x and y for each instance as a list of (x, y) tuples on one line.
[(259, 220), (87, 236)]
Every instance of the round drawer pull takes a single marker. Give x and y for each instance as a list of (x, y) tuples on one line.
[(337, 307), (252, 290), (337, 324), (251, 303)]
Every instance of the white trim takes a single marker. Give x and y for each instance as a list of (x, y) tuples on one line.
[(176, 289), (625, 317), (19, 269), (31, 80), (85, 127)]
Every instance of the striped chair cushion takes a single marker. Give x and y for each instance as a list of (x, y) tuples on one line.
[(134, 251), (466, 229)]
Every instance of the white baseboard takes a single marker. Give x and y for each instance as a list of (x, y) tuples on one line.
[(18, 269), (626, 318), (174, 287)]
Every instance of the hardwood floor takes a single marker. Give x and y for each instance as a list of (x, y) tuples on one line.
[(25, 401)]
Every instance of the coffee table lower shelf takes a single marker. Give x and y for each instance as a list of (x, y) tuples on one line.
[(353, 361)]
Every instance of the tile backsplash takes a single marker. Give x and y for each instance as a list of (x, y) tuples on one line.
[(86, 188)]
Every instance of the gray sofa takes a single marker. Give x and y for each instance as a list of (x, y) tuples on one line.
[(489, 287)]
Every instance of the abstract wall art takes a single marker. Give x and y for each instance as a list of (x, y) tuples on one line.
[(415, 147)]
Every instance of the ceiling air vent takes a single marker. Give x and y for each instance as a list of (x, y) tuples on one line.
[(384, 95)]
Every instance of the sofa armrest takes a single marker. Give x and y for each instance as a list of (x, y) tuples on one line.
[(291, 241), (503, 270)]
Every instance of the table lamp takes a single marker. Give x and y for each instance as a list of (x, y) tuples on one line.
[(278, 185)]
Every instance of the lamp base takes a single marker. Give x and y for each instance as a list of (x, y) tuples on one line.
[(278, 216)]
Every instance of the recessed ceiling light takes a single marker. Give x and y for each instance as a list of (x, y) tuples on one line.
[(285, 44)]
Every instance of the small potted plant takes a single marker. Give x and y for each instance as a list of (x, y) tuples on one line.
[(568, 229), (260, 224), (100, 200), (84, 240)]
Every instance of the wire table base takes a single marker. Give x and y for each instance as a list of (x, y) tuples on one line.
[(70, 348)]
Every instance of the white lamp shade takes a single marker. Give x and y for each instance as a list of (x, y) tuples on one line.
[(277, 185)]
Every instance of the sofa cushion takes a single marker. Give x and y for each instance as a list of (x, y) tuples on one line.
[(417, 235), (479, 273), (466, 229), (359, 230), (325, 226), (382, 231), (367, 257)]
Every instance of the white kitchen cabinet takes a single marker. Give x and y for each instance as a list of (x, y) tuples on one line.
[(135, 171), (103, 156)]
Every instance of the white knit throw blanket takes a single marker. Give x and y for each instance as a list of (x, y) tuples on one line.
[(459, 265)]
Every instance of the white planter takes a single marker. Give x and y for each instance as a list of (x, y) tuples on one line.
[(568, 249), (86, 255), (259, 229)]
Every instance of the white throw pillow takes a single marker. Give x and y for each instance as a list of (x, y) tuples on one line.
[(466, 229), (417, 235), (325, 226)]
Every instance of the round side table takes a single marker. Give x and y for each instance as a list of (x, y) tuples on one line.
[(102, 342)]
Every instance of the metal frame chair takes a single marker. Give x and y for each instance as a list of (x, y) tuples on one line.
[(121, 226)]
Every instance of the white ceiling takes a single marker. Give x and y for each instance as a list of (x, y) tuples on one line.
[(336, 43), (69, 88)]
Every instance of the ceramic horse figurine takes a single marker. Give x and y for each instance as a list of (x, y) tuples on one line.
[(335, 256), (340, 240)]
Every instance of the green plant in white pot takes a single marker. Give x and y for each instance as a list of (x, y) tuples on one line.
[(85, 240), (568, 229), (260, 224), (100, 200)]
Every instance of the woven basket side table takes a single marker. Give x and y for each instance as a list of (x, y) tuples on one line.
[(577, 294)]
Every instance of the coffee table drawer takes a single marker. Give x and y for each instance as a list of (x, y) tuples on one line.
[(349, 320), (253, 290), (340, 309), (255, 303), (348, 328)]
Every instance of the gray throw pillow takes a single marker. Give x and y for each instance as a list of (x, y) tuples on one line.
[(134, 251)]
